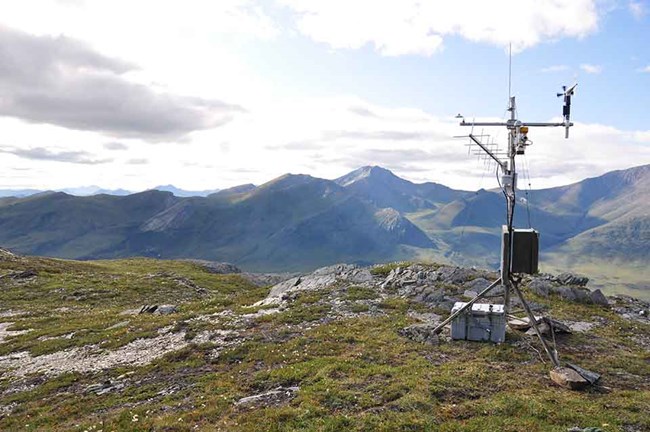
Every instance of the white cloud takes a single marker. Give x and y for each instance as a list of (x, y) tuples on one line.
[(637, 9), (644, 69), (324, 137), (591, 69), (555, 68), (188, 47), (399, 27)]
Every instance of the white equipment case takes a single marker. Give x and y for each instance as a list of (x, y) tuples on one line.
[(482, 322)]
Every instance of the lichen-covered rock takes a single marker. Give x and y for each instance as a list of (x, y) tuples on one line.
[(567, 293), (599, 298), (319, 279), (541, 287), (420, 333), (271, 397)]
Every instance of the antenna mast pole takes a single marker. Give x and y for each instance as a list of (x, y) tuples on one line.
[(517, 142)]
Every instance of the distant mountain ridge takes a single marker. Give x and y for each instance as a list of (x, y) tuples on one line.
[(96, 190), (299, 222)]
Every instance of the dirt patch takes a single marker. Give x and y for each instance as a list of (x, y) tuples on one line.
[(4, 333), (92, 358)]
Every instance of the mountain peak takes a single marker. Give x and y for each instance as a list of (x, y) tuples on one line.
[(369, 171)]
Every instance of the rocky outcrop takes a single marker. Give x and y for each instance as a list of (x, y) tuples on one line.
[(216, 267), (321, 278), (568, 286)]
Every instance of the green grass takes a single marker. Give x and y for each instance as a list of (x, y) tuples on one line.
[(355, 374), (384, 269)]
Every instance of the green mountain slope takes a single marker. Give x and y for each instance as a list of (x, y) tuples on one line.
[(293, 222), (298, 222)]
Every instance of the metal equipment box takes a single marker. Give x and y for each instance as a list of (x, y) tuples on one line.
[(481, 322), (525, 251)]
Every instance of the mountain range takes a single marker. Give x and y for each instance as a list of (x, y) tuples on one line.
[(298, 222), (96, 190)]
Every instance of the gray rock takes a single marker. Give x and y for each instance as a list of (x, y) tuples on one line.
[(217, 267), (433, 296), (572, 279), (568, 378), (470, 294), (166, 309), (478, 284), (567, 293), (456, 275), (320, 278), (274, 396), (158, 309), (583, 295), (582, 326), (420, 333), (541, 287), (599, 298)]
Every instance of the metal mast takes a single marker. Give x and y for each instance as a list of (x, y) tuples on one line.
[(517, 142)]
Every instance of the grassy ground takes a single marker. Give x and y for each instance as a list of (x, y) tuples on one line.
[(353, 373)]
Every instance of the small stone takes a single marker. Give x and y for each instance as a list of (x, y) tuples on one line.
[(274, 396), (166, 309), (568, 378)]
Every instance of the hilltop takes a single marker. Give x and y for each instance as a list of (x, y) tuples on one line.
[(144, 344)]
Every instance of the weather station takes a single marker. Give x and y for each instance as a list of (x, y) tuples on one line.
[(519, 247)]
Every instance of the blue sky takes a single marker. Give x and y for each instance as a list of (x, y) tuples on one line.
[(213, 94)]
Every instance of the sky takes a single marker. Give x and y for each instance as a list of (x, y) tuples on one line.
[(209, 95)]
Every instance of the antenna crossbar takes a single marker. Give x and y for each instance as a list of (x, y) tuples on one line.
[(503, 164), (512, 125)]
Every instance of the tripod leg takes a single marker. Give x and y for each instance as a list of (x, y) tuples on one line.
[(480, 295), (533, 322)]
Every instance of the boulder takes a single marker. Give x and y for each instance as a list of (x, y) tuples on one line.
[(583, 295), (541, 287), (598, 298), (567, 293), (568, 378), (456, 275)]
